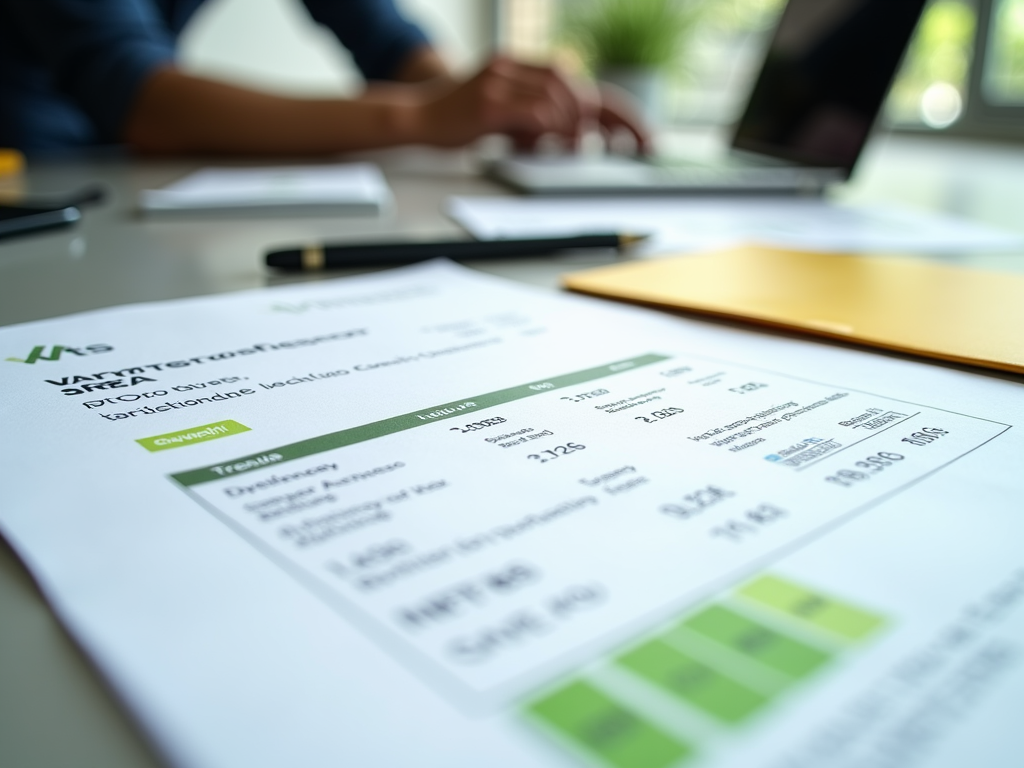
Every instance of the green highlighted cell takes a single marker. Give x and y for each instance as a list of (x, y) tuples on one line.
[(465, 407), (756, 641), (698, 684), (812, 607), (193, 435), (608, 730), (717, 661)]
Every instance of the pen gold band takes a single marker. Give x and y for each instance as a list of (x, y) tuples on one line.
[(313, 257)]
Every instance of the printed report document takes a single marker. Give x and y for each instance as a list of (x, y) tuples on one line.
[(430, 517)]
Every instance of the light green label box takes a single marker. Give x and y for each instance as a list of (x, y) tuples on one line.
[(192, 435)]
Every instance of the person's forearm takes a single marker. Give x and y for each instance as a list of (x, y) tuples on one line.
[(179, 113), (176, 112)]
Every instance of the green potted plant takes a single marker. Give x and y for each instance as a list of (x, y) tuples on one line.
[(630, 43)]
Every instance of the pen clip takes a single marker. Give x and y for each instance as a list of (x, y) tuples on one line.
[(313, 257)]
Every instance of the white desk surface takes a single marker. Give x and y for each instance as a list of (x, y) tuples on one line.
[(55, 711)]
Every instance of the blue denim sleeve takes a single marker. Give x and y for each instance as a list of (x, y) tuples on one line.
[(376, 34), (96, 52)]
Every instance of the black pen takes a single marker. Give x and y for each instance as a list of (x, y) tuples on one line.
[(315, 257)]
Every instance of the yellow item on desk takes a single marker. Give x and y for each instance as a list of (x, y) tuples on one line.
[(11, 162), (903, 304), (12, 183)]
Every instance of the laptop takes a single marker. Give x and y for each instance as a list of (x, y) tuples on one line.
[(824, 78)]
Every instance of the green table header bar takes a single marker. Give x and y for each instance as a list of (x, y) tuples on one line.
[(406, 421)]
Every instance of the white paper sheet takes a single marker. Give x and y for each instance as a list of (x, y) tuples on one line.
[(677, 224), (337, 188), (432, 518)]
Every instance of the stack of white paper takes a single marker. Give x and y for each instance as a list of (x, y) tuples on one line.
[(676, 224), (350, 188)]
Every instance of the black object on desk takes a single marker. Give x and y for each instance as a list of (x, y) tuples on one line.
[(316, 257), (32, 214), (20, 220)]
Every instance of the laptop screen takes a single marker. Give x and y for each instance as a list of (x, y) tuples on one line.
[(824, 79)]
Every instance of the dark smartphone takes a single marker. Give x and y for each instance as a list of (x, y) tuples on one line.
[(18, 220)]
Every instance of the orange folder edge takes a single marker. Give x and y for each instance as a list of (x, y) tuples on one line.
[(723, 283)]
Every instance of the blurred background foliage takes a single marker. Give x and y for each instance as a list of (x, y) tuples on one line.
[(628, 33)]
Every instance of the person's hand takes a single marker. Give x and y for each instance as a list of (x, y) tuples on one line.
[(505, 97), (524, 102), (176, 112)]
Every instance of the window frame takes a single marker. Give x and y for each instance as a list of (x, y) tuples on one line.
[(981, 118)]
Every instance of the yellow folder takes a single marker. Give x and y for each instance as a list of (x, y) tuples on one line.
[(903, 304)]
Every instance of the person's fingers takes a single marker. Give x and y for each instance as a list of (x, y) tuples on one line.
[(510, 105), (552, 94), (539, 112), (507, 106), (530, 100), (526, 101)]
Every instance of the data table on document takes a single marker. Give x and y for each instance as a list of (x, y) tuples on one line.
[(492, 536)]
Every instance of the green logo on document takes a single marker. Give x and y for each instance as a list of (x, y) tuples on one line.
[(192, 435), (38, 353)]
